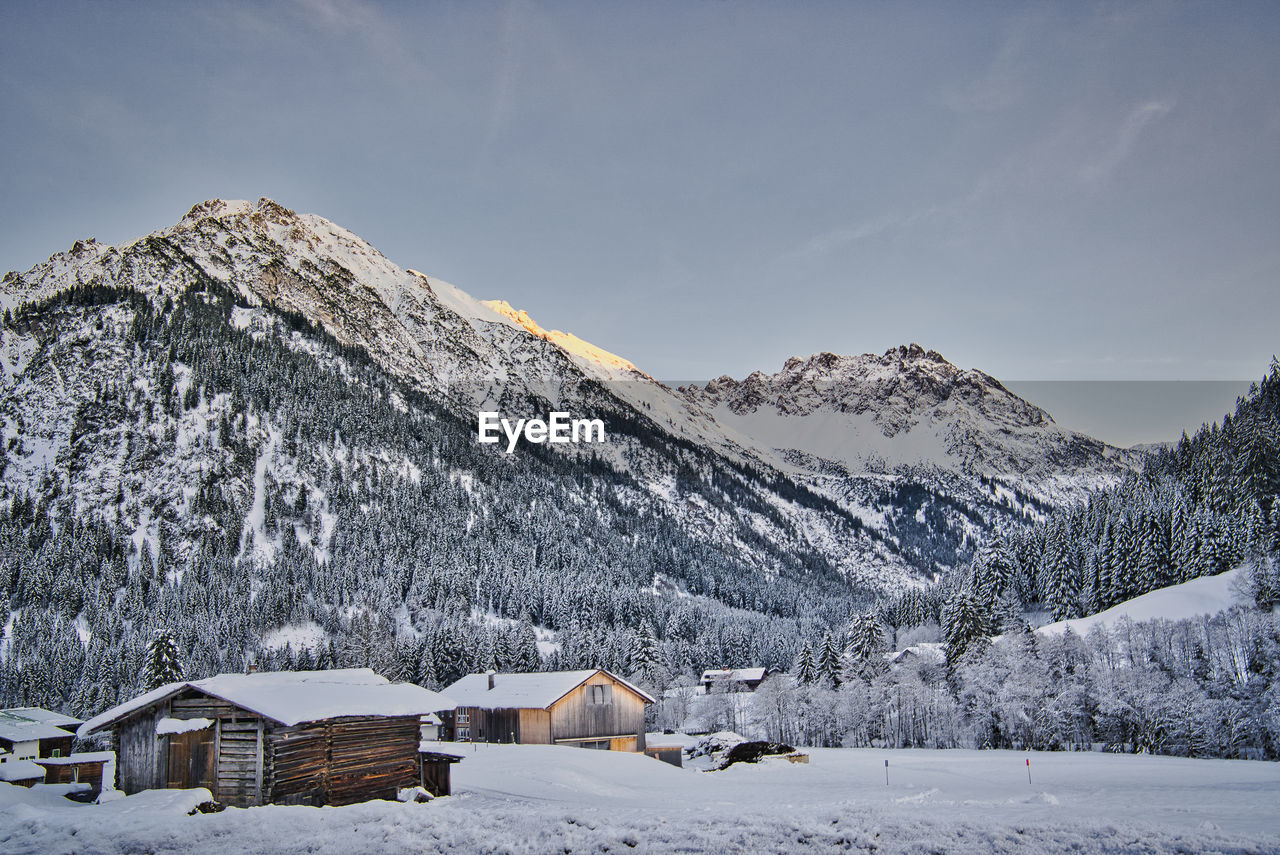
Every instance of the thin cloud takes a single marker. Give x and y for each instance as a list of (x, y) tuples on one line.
[(367, 24), (1101, 168), (843, 236)]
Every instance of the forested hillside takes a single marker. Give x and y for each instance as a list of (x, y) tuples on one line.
[(221, 481), (1194, 510)]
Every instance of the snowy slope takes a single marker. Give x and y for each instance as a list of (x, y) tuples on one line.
[(1207, 595)]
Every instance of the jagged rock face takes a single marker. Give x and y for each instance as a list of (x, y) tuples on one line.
[(896, 389), (910, 407)]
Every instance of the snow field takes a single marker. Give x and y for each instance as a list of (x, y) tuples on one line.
[(1206, 595), (543, 799)]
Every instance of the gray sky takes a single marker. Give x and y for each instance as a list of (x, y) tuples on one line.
[(1042, 191)]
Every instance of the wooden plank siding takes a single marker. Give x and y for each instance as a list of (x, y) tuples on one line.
[(239, 759), (142, 760), (295, 764), (371, 758), (85, 772), (252, 760), (575, 718), (535, 727)]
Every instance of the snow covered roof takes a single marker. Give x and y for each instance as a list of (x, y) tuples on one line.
[(525, 691), (76, 758), (56, 719), (292, 697), (19, 728), (735, 675), (450, 749), (21, 770), (927, 651)]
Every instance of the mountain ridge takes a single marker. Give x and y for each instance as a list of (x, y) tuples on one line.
[(472, 355)]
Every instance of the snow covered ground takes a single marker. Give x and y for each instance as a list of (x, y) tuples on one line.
[(1207, 595), (542, 799)]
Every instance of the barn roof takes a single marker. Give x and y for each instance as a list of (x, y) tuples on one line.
[(293, 697), (525, 691), (20, 728)]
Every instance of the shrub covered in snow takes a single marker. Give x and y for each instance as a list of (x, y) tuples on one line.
[(751, 752)]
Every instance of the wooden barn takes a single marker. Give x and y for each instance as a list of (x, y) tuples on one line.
[(587, 709), (304, 737)]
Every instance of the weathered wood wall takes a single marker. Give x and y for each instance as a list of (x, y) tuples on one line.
[(575, 717), (436, 774), (240, 761), (142, 759), (341, 761), (297, 759), (371, 758)]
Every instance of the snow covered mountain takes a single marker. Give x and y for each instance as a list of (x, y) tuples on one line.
[(266, 391), (911, 408), (464, 354)]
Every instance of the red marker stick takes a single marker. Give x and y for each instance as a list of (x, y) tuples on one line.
[(1028, 770)]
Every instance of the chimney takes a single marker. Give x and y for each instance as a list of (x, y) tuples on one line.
[(490, 674)]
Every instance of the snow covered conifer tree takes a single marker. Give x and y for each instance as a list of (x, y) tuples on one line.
[(830, 664), (962, 623), (163, 663), (644, 658), (866, 643), (805, 671)]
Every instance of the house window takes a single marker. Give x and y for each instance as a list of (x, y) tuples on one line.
[(464, 733), (601, 694), (464, 717), (57, 752)]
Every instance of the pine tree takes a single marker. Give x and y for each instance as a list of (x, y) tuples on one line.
[(866, 644), (830, 664), (163, 662), (644, 659), (963, 623), (804, 669)]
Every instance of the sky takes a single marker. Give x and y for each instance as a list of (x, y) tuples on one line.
[(1046, 192)]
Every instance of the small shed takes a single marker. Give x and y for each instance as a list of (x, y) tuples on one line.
[(587, 709), (673, 754), (81, 768), (24, 773), (435, 764), (287, 737)]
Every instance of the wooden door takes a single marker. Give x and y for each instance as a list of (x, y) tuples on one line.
[(191, 760)]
